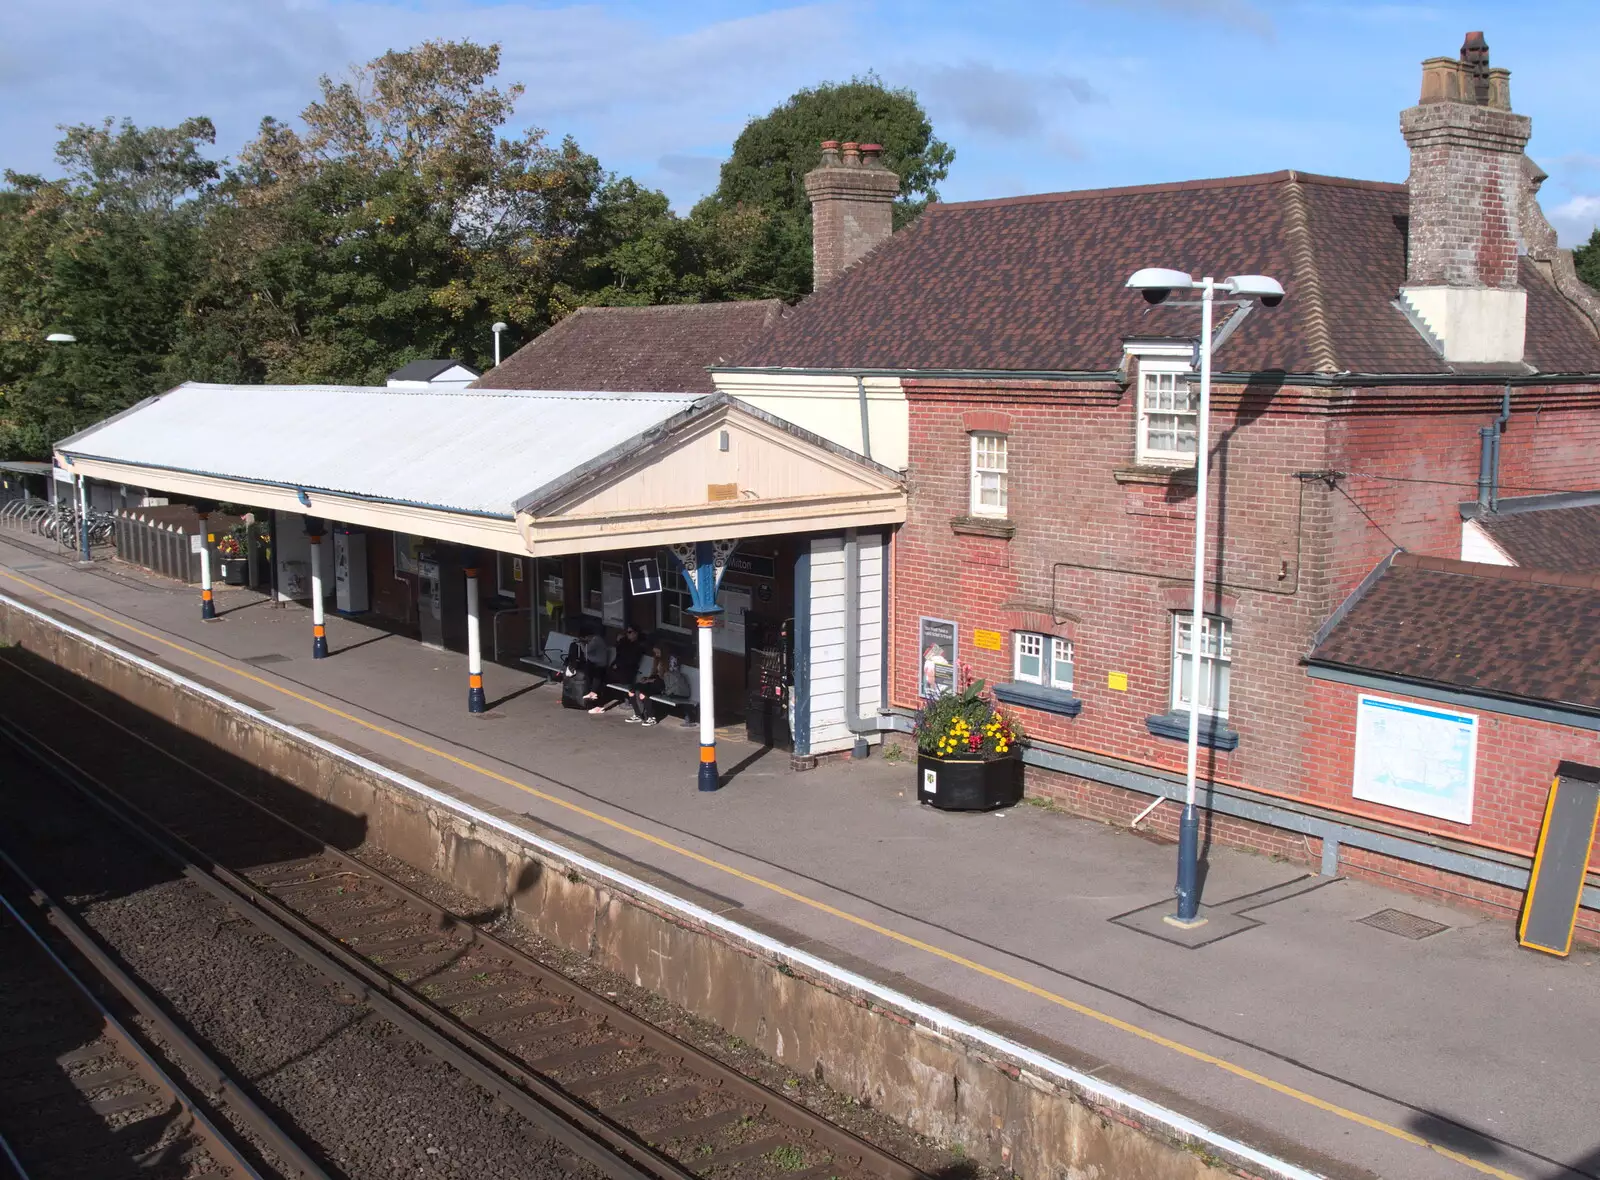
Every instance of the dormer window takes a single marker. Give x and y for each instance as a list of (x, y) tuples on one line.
[(1169, 413)]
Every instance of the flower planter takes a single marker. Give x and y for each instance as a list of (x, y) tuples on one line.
[(235, 571), (969, 784)]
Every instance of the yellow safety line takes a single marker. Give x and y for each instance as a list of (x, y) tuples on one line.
[(1105, 1018)]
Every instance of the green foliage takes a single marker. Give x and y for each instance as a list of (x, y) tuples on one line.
[(759, 213), (966, 724), (397, 219), (1587, 259)]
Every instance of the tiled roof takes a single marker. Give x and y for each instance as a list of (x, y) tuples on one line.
[(1566, 539), (654, 349), (1036, 284), (1504, 630), (427, 370)]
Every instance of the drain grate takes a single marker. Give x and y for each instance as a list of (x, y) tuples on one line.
[(269, 658), (1404, 924)]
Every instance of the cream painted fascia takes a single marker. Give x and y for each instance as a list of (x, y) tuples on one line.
[(783, 483), (482, 532), (1471, 325), (1477, 545), (554, 536), (829, 404)]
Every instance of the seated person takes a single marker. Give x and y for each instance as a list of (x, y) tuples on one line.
[(594, 659), (652, 679), (624, 667)]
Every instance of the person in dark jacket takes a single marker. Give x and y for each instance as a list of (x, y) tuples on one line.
[(624, 667), (652, 680)]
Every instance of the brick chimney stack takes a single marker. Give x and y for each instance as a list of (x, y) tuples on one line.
[(1466, 188), (852, 207)]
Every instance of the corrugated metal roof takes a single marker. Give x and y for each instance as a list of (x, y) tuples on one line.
[(466, 450)]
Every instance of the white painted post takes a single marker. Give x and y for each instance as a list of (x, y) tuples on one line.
[(319, 633), (208, 608), (475, 702), (708, 707)]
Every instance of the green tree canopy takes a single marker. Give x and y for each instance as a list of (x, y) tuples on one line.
[(766, 176), (1587, 259)]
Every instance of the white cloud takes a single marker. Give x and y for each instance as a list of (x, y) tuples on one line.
[(1576, 219)]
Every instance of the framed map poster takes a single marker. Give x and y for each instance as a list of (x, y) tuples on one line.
[(1420, 758)]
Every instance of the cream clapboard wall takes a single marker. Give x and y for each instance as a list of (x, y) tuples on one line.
[(829, 732)]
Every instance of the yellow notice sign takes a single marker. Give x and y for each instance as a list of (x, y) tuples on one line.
[(1117, 681), (988, 640)]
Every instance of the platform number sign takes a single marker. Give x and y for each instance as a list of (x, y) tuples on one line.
[(644, 576)]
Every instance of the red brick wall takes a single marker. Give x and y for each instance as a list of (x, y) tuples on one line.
[(1106, 559)]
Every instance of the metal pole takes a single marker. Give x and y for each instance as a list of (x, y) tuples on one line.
[(83, 517), (208, 608), (708, 710), (319, 633), (1188, 889), (475, 702)]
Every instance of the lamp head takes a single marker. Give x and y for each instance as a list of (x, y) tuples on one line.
[(61, 338), (1261, 287), (498, 326), (1156, 283)]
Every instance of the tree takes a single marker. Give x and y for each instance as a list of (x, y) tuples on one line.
[(771, 254), (1587, 259), (108, 254), (396, 223)]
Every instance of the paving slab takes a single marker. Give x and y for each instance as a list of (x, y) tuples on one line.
[(1305, 1024)]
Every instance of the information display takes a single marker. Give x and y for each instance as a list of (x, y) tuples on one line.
[(1416, 757)]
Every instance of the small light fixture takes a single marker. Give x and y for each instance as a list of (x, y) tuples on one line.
[(722, 442), (61, 338), (304, 499)]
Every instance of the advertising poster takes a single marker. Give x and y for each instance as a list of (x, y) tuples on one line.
[(1417, 757), (936, 641)]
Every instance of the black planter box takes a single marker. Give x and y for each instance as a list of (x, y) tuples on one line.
[(235, 571), (969, 784)]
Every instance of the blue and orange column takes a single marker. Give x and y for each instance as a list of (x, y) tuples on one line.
[(709, 777), (208, 607), (319, 632), (475, 703)]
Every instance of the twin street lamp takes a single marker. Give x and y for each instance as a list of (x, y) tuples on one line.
[(1157, 284)]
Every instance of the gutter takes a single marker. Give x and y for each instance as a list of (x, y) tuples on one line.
[(1228, 377)]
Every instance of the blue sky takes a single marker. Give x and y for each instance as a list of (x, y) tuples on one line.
[(1034, 97)]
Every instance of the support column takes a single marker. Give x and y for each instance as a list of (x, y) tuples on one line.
[(319, 633), (475, 702), (83, 518), (709, 778), (208, 608)]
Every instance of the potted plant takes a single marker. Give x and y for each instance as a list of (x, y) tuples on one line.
[(234, 567), (969, 755)]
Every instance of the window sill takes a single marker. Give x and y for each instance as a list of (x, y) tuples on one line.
[(1214, 731), (1036, 696), (983, 526), (1152, 474)]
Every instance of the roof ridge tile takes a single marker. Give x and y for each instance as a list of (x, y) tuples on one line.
[(1499, 573), (1319, 340)]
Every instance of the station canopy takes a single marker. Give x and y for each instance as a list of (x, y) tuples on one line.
[(532, 472)]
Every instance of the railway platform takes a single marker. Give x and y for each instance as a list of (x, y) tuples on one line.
[(1303, 1019)]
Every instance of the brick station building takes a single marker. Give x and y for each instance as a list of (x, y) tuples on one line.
[(1434, 346)]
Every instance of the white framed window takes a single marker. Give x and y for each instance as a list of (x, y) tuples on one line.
[(988, 474), (674, 601), (1216, 662), (508, 573), (1169, 414), (1045, 660)]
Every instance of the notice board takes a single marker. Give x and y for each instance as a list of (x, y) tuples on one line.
[(1555, 887)]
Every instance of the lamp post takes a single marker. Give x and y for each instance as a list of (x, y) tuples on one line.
[(498, 327), (82, 488), (1156, 284)]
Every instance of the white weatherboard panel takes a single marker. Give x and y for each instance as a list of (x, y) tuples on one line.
[(463, 450), (829, 732)]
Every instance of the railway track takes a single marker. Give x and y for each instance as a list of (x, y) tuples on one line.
[(620, 1093), (85, 1095)]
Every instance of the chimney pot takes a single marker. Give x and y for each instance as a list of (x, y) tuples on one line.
[(870, 153), (852, 154), (830, 153)]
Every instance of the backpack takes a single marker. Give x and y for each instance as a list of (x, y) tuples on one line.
[(675, 683)]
